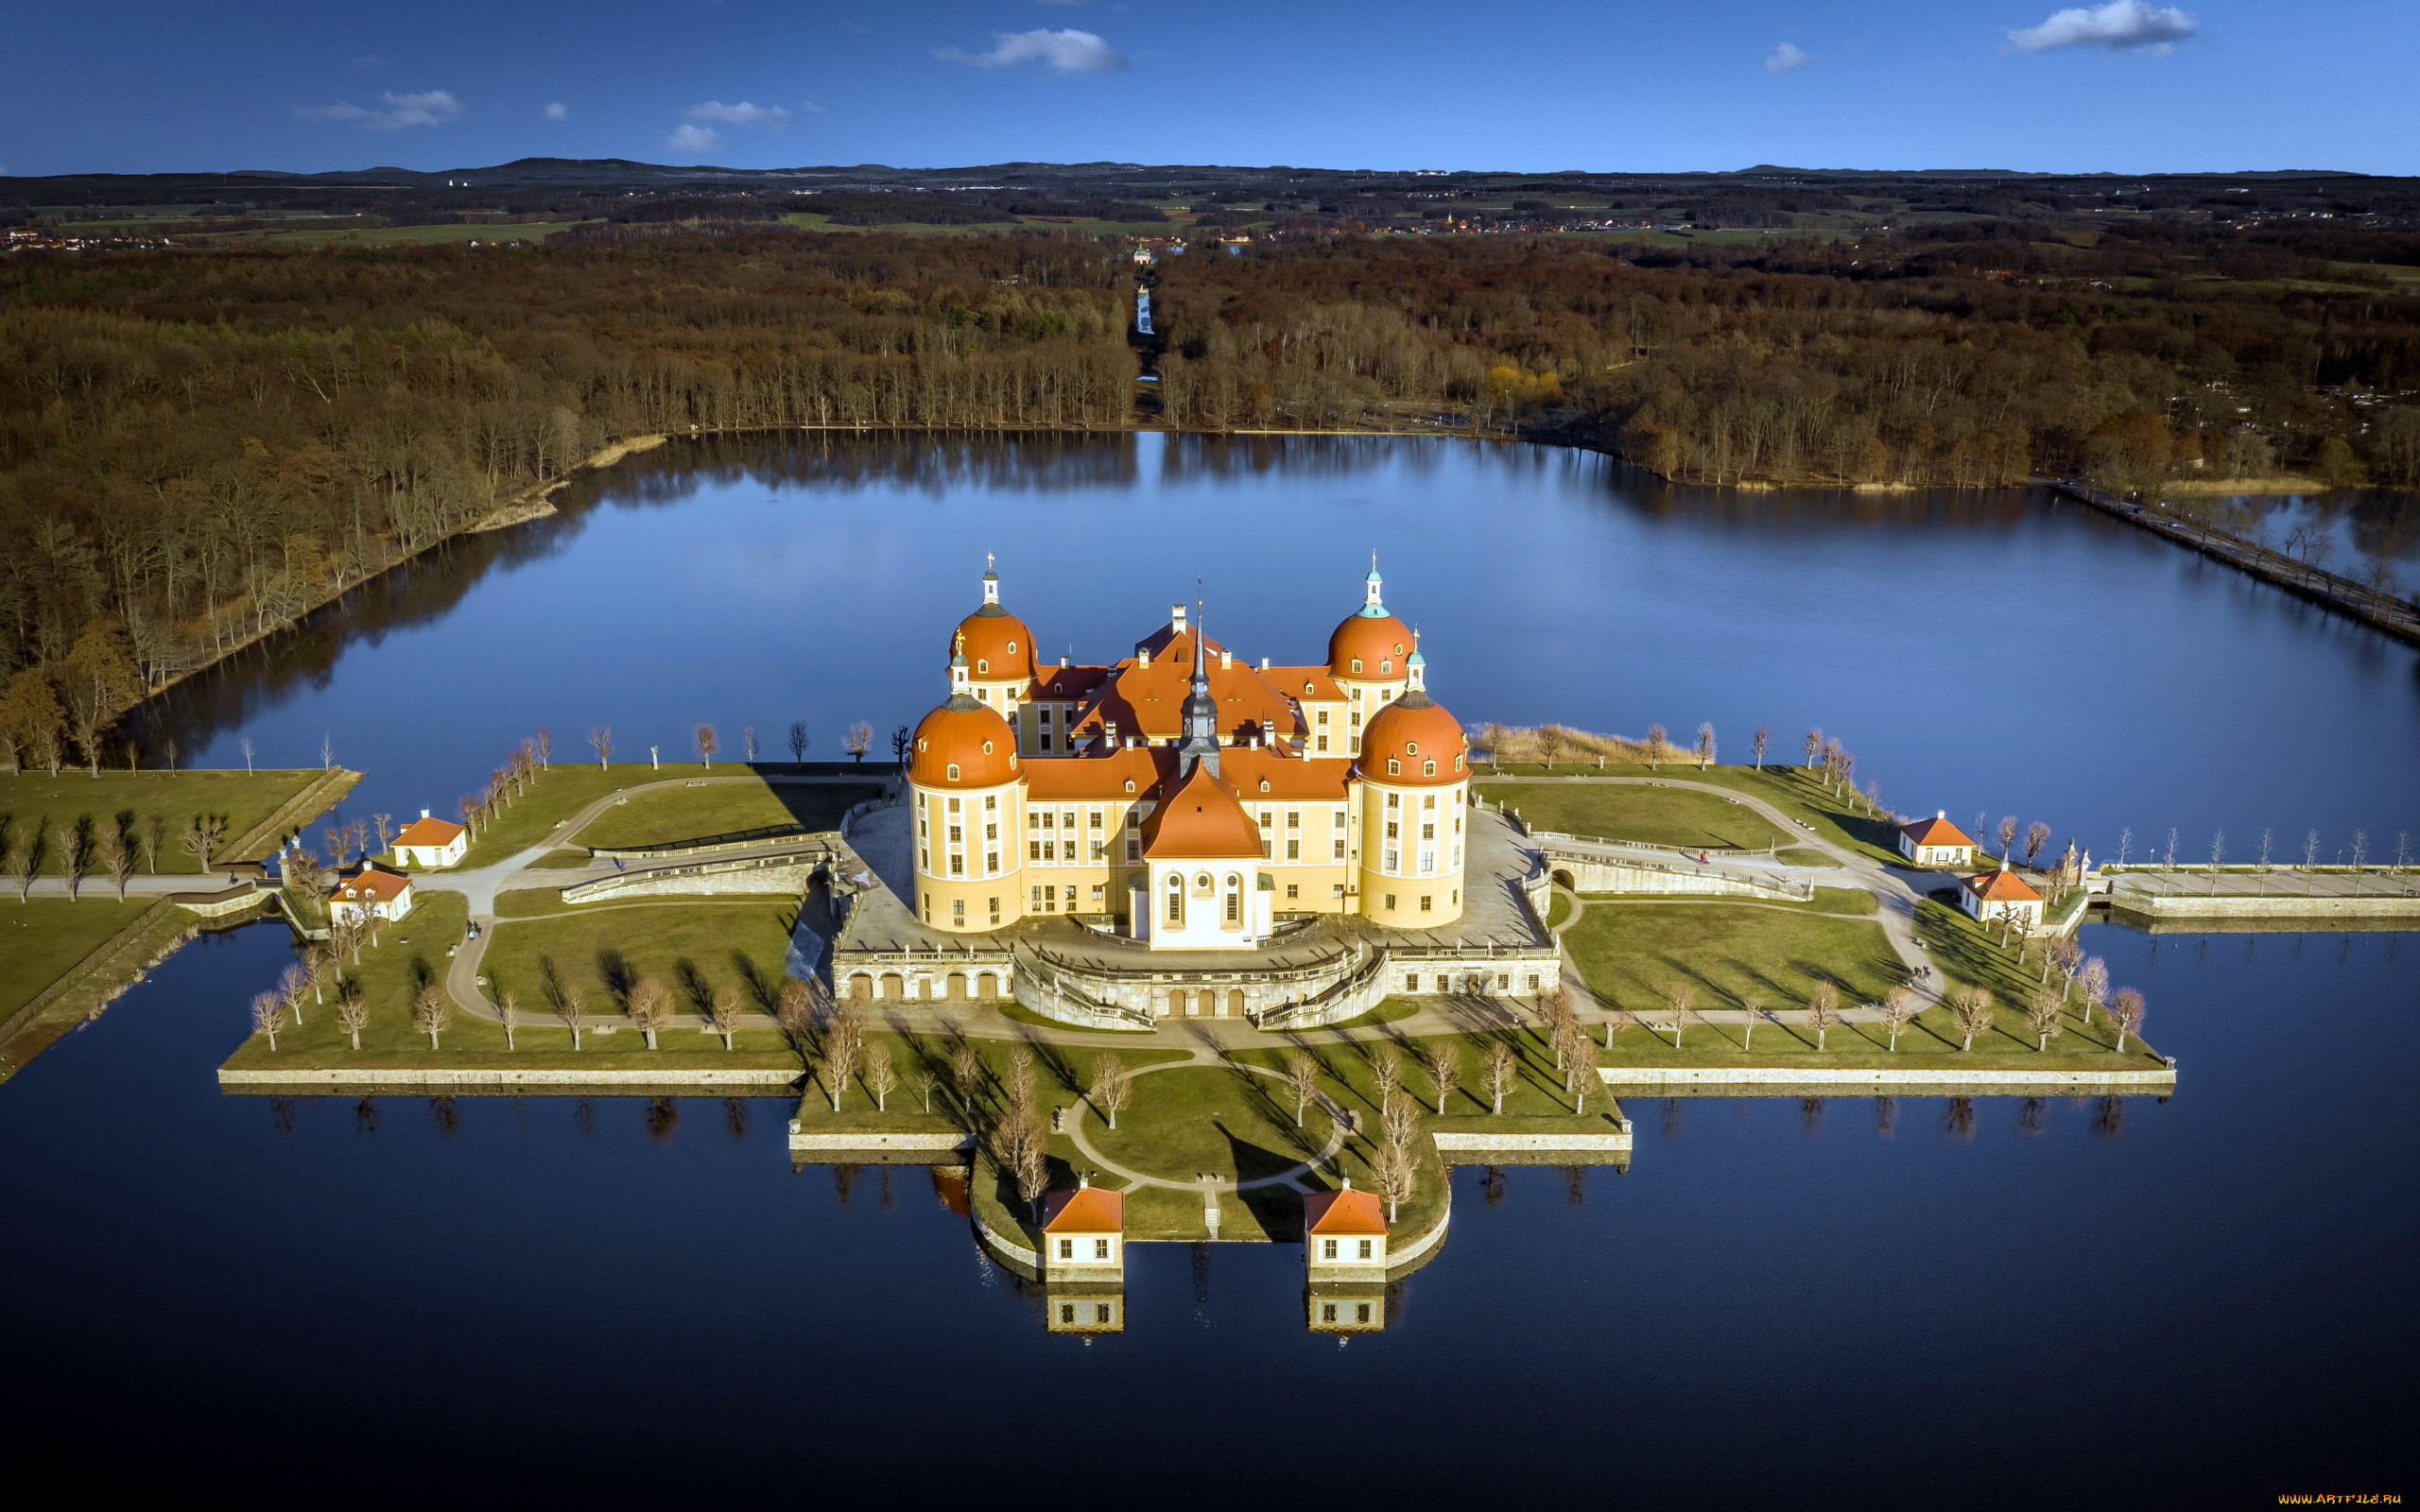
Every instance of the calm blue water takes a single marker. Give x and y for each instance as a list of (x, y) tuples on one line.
[(2205, 1305)]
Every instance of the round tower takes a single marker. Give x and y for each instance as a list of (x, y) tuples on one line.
[(1413, 782)]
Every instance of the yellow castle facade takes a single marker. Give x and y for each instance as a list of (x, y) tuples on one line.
[(1184, 795)]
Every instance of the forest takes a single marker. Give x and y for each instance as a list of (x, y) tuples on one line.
[(200, 444), (1950, 359)]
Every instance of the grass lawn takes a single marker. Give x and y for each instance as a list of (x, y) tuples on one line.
[(1826, 901), (1656, 815), (564, 791), (42, 939), (1627, 953), (244, 799), (1558, 909), (1794, 791), (693, 948), (666, 815)]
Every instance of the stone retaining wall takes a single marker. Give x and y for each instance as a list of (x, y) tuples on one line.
[(937, 1142), (1942, 1082), (405, 1079), (2263, 905), (1612, 1141)]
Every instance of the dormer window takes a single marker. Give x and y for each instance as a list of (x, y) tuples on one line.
[(1357, 663), (986, 748), (1012, 648), (983, 666), (1264, 785), (1427, 768), (1411, 748), (1394, 768), (953, 771), (1457, 763), (1384, 668), (1130, 784)]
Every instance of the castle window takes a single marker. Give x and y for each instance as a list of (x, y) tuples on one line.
[(982, 666), (1130, 784), (1427, 768), (1101, 1252), (1362, 1252), (996, 908), (1386, 667), (1394, 801), (1012, 648), (1357, 663), (919, 745), (956, 865), (1066, 1249), (1293, 818), (1394, 768), (991, 801), (1322, 719), (1293, 890), (986, 748), (1235, 902), (1327, 1249), (1411, 748), (953, 803), (958, 910), (1264, 787), (953, 771), (1294, 850), (1457, 763), (1176, 900), (1323, 743), (1389, 902), (1423, 903)]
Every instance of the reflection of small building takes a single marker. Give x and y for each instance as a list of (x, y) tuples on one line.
[(1344, 1235), (1084, 1308), (1346, 1307), (370, 893), (1936, 842), (2001, 894), (1083, 1234), (430, 842)]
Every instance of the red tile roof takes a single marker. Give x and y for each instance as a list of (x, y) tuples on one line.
[(1085, 1210), (1343, 1212), (1290, 777), (1098, 779), (1200, 820), (369, 884), (1935, 830), (2001, 886), (428, 831)]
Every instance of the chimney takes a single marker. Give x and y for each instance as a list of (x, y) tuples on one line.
[(1176, 619), (1940, 814), (1063, 661), (1264, 663), (423, 814), (1226, 660)]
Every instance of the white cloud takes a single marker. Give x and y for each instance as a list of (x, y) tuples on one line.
[(2118, 26), (558, 110), (693, 138), (743, 113), (429, 108), (1787, 56), (1066, 52)]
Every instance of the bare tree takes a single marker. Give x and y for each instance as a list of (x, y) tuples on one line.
[(1814, 745), (431, 1011), (2042, 1015), (1020, 1079), (201, 836), (291, 983), (1823, 1010), (73, 840), (2169, 859), (881, 1075), (1443, 1059), (859, 741), (1392, 1169), (1900, 1006), (118, 855), (2037, 835), (543, 745), (1386, 1072), (1113, 1087), (2360, 850), (965, 1074), (507, 1008), (1752, 1007), (25, 858), (2126, 1012), (1704, 751), (924, 1084), (152, 833), (708, 743), (1970, 1008), (1761, 742), (1657, 747), (1302, 1079), (266, 1011), (1681, 1001), (2007, 835), (723, 1016), (1399, 1118), (794, 1010), (1497, 1070), (1582, 1073), (2093, 979), (844, 1041), (798, 741), (567, 1007), (650, 1005), (352, 1016), (600, 740), (748, 743)]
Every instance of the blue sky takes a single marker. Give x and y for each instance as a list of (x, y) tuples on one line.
[(2122, 85)]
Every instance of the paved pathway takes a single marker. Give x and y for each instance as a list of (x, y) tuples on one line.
[(1208, 1182)]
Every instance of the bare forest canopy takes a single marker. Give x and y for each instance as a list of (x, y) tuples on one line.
[(1962, 355), (198, 447)]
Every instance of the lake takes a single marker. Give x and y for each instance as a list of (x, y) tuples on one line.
[(2198, 1302)]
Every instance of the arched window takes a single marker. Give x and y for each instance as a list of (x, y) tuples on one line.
[(1457, 763), (984, 665), (1176, 900), (1235, 902), (1130, 784), (1427, 768), (919, 745), (953, 771), (1384, 668), (1394, 768)]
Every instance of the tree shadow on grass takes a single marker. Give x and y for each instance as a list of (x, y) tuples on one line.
[(765, 991), (694, 984), (614, 969)]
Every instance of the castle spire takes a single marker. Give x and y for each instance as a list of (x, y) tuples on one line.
[(1372, 604), (991, 582), (1200, 711)]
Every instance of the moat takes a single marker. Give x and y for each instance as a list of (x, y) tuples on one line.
[(1795, 1264)]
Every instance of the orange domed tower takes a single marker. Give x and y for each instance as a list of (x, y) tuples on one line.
[(965, 792), (1412, 774), (1369, 657), (999, 647)]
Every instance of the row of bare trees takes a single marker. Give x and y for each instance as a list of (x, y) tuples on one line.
[(115, 845)]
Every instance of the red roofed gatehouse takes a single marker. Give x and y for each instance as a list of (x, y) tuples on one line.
[(1344, 1235), (370, 893), (1083, 1234), (431, 842), (2001, 894), (1936, 842)]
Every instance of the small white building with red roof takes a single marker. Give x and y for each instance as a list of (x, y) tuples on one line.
[(2001, 894), (1083, 1234), (1936, 842), (1344, 1235), (370, 893), (431, 842)]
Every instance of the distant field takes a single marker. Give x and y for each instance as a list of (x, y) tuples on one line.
[(394, 236)]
